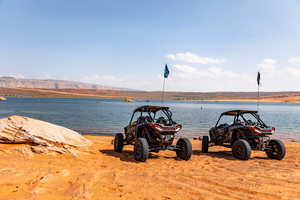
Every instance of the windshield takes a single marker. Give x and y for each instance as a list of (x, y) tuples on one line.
[(252, 119), (163, 117), (140, 117), (225, 120)]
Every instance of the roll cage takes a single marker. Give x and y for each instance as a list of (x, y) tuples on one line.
[(151, 111), (240, 114)]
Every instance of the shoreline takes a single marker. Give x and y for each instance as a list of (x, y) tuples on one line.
[(268, 97), (254, 100), (135, 99)]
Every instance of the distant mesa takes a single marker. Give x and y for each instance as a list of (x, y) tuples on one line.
[(11, 82), (8, 77)]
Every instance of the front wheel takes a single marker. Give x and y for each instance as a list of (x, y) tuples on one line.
[(118, 143), (184, 150), (277, 150), (205, 143), (141, 150), (241, 149)]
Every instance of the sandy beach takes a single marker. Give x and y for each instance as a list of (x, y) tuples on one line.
[(101, 173)]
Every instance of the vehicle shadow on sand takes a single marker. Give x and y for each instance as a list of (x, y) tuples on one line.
[(124, 156), (220, 154), (225, 155), (128, 156)]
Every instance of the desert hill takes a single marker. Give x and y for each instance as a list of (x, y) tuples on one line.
[(11, 82), (288, 97), (15, 87)]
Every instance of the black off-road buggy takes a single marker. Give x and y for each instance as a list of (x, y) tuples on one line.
[(243, 130), (152, 129)]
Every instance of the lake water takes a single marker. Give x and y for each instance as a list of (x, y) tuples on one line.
[(108, 116)]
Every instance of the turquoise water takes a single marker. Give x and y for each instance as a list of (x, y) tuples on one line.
[(110, 116)]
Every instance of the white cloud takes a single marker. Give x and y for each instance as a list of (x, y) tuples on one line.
[(218, 72), (269, 61), (210, 72), (184, 68), (293, 71), (278, 77), (267, 65), (193, 58), (294, 60), (192, 78), (274, 77)]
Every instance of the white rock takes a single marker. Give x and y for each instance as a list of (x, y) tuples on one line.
[(25, 130)]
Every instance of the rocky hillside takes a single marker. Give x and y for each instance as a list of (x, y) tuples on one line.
[(11, 82)]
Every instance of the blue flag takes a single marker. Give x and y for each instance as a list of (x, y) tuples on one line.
[(258, 79), (167, 72)]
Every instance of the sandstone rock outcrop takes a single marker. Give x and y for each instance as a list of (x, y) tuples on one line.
[(44, 135)]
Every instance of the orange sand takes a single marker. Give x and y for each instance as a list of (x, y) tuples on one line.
[(104, 174)]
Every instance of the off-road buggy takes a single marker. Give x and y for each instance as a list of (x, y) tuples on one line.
[(243, 130), (152, 129)]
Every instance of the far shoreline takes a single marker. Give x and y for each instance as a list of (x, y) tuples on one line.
[(188, 100), (265, 97)]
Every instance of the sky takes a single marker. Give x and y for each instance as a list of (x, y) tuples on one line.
[(215, 45)]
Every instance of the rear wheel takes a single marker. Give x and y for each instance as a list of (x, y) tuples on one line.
[(205, 142), (118, 143), (241, 149), (277, 150), (184, 150), (141, 150)]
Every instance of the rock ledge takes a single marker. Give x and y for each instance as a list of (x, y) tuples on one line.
[(25, 130)]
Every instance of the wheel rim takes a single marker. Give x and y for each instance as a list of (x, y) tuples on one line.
[(116, 143), (182, 148), (276, 150), (239, 151), (138, 148)]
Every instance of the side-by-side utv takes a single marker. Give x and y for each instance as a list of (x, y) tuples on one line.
[(243, 131), (152, 129)]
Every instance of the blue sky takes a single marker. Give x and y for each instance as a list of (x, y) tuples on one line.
[(215, 45)]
